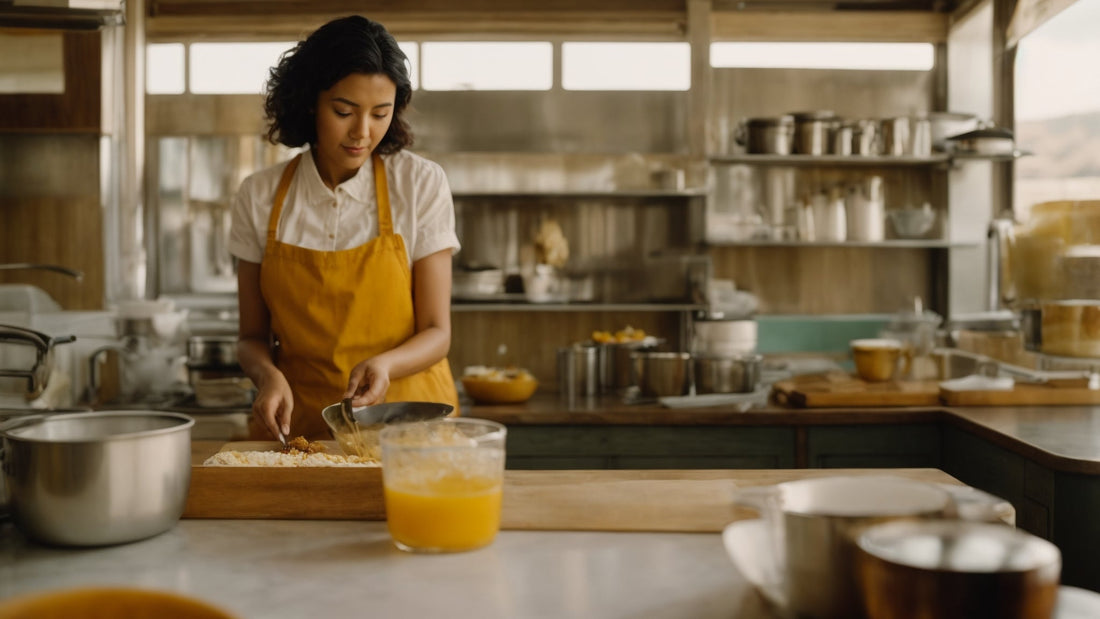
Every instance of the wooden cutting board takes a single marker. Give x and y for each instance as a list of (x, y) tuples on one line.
[(839, 389), (1022, 395), (688, 500)]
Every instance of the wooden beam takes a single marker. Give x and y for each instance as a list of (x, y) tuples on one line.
[(859, 26), (666, 25), (274, 8)]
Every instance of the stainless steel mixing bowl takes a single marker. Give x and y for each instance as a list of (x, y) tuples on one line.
[(98, 478)]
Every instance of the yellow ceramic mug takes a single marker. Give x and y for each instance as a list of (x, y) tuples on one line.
[(878, 360)]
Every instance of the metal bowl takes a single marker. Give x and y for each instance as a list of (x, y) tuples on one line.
[(92, 479)]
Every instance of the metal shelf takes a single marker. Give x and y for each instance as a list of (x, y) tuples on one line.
[(576, 307), (575, 194), (856, 160), (891, 243)]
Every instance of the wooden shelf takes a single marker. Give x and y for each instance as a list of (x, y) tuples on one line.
[(887, 244), (853, 160)]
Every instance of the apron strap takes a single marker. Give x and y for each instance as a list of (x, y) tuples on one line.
[(280, 196), (382, 195)]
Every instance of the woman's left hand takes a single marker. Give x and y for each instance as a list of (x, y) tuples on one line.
[(368, 382)]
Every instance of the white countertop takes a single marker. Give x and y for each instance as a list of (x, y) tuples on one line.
[(279, 568)]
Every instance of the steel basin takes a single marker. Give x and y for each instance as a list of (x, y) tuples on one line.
[(98, 478)]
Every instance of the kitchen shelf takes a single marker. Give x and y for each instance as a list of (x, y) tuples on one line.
[(1014, 155), (593, 193), (576, 307), (857, 160), (891, 243)]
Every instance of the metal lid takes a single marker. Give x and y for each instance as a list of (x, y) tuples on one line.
[(770, 121), (814, 115)]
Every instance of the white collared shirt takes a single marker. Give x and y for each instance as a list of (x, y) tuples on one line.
[(316, 217)]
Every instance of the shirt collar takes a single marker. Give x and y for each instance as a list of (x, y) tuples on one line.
[(360, 187)]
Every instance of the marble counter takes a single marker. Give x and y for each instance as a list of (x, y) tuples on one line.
[(271, 569)]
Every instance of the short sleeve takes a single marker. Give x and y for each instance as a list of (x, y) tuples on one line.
[(244, 238), (435, 225)]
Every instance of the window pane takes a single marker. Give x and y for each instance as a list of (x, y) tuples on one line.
[(164, 68), (865, 56), (412, 50), (1057, 106), (222, 68), (487, 66), (626, 66)]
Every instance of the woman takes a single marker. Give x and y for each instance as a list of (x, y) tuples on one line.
[(344, 252)]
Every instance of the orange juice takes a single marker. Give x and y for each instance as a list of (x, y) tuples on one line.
[(445, 514)]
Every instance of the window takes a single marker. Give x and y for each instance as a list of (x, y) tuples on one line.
[(626, 66), (1057, 103), (860, 56), (487, 66), (164, 70), (224, 68)]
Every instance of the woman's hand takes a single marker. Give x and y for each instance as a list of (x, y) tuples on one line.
[(369, 382), (274, 404)]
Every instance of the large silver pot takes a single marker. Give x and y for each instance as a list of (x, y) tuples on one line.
[(92, 479)]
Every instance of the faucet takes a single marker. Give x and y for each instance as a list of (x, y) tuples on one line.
[(39, 373), (27, 266)]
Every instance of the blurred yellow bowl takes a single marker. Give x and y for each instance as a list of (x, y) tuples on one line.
[(507, 391), (104, 603)]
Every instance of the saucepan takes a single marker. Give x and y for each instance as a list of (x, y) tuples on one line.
[(363, 440)]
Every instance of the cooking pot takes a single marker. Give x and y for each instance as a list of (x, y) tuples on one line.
[(948, 568), (726, 373), (811, 131), (766, 136), (661, 374), (615, 366), (209, 351), (92, 479)]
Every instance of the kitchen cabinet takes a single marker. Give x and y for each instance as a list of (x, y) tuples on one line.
[(78, 107), (649, 447), (881, 446)]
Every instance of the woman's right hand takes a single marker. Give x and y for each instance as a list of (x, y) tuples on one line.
[(274, 404)]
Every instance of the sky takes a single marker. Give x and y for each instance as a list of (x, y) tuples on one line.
[(1058, 65)]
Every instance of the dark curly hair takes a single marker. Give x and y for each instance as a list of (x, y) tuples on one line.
[(337, 49)]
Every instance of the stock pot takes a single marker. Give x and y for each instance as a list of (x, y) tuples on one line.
[(97, 478)]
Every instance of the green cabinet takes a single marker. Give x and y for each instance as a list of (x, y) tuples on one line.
[(878, 446), (650, 447)]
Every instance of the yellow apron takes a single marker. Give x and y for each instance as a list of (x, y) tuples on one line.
[(332, 309)]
